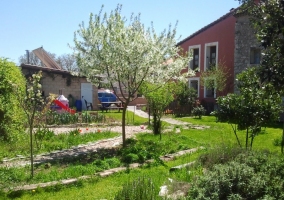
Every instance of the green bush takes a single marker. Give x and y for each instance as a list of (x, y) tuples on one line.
[(140, 189), (251, 175), (12, 85), (198, 111), (219, 155)]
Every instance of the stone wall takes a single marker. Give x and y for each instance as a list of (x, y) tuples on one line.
[(68, 84), (244, 39)]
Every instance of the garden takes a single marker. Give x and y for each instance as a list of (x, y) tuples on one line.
[(220, 155), (234, 153)]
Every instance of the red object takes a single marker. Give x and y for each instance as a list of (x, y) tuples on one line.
[(60, 104)]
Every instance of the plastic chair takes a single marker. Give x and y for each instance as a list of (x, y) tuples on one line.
[(88, 105)]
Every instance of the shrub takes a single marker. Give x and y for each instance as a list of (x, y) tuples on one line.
[(219, 155), (229, 179), (11, 114), (251, 175), (198, 111), (140, 189)]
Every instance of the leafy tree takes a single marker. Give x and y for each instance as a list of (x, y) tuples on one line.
[(11, 115), (185, 96), (158, 98), (255, 106), (215, 77), (267, 18), (126, 54), (33, 105)]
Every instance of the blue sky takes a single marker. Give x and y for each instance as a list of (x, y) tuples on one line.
[(29, 24)]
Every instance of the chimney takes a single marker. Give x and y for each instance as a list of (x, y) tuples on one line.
[(28, 56)]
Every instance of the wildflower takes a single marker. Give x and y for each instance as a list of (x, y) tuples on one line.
[(87, 129), (33, 190), (142, 127), (99, 130), (80, 130)]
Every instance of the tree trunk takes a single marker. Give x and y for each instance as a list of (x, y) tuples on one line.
[(125, 104), (149, 118), (252, 138), (31, 149), (123, 126), (247, 139), (282, 142), (235, 132)]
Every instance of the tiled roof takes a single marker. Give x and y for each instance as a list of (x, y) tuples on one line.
[(232, 11)]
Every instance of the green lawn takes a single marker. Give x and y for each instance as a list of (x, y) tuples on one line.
[(219, 134), (131, 118)]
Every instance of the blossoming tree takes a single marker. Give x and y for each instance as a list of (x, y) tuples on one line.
[(126, 54)]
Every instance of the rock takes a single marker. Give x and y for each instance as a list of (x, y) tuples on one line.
[(187, 165), (163, 191)]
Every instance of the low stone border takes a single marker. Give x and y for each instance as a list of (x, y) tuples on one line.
[(101, 174)]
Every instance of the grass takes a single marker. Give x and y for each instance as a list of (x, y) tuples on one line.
[(131, 118), (106, 188), (22, 147), (218, 134), (51, 142)]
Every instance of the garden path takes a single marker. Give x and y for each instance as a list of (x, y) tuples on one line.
[(169, 120), (90, 147)]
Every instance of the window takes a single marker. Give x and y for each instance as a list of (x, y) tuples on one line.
[(211, 55), (209, 91), (194, 64), (108, 94), (194, 83), (255, 54)]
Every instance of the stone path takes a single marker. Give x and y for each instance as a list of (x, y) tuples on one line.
[(93, 147), (76, 150), (90, 147)]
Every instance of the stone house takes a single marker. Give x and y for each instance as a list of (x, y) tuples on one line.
[(247, 48), (57, 81)]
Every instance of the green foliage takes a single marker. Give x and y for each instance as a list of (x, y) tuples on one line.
[(128, 54), (253, 175), (198, 111), (11, 114), (221, 154), (141, 188), (53, 117), (88, 118), (267, 19), (255, 106), (107, 163), (41, 134), (185, 95), (215, 77), (158, 98)]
